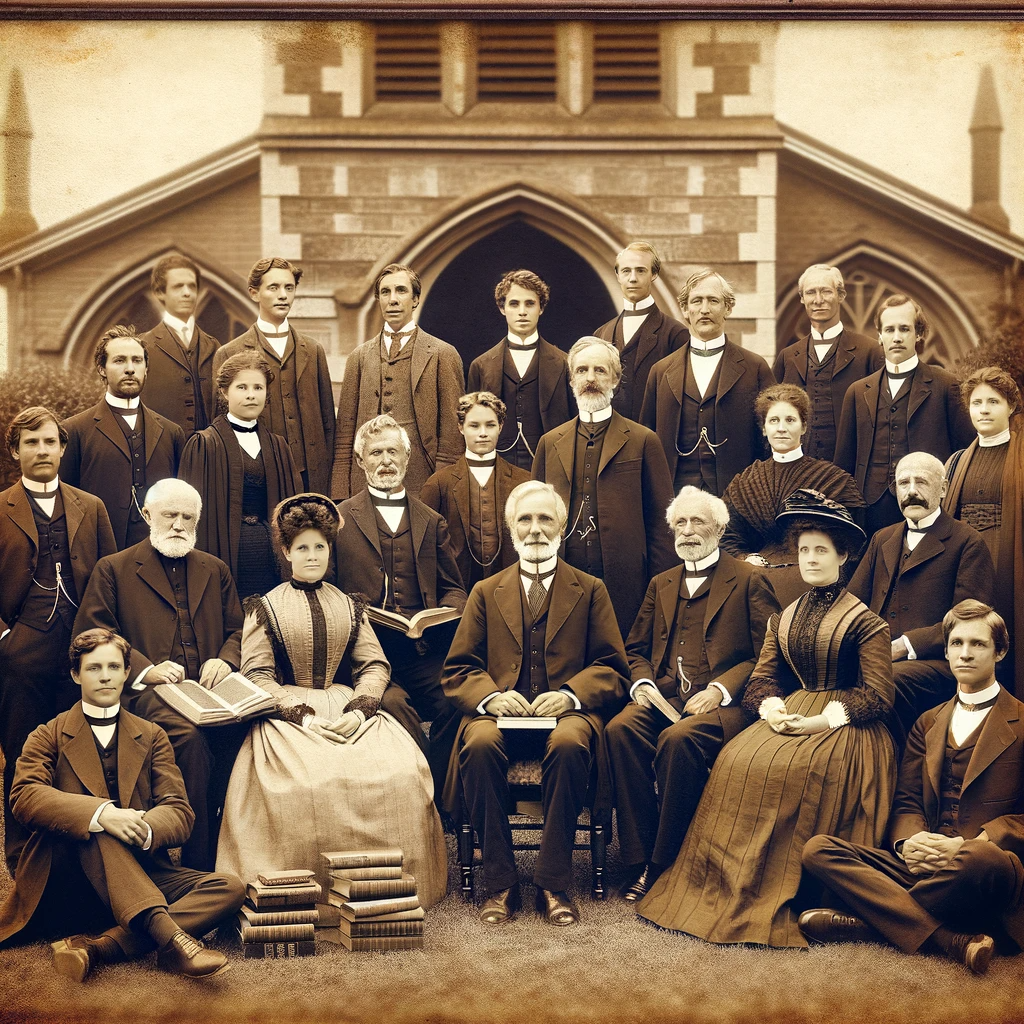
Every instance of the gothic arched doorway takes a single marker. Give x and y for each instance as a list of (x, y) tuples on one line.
[(460, 305)]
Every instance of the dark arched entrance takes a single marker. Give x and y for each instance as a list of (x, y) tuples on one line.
[(460, 305)]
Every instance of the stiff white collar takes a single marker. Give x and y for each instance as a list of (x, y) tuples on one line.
[(796, 453), (703, 563), (828, 334), (96, 712), (50, 487), (708, 346), (514, 339), (376, 493), (410, 326), (181, 326), (995, 440), (981, 696), (268, 328), (596, 417), (472, 457), (905, 367), (238, 421), (628, 306), (924, 522), (532, 568), (116, 402)]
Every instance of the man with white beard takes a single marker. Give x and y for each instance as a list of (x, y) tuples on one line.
[(612, 476), (695, 641), (179, 610), (538, 639)]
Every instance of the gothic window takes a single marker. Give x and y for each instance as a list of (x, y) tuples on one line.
[(517, 62), (627, 62), (408, 62)]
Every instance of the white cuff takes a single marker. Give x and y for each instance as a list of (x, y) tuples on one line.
[(94, 824), (481, 708), (639, 682), (149, 839), (139, 684), (575, 700), (771, 704), (726, 697), (911, 653), (836, 714), (307, 721)]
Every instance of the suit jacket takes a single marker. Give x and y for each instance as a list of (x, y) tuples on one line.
[(486, 371), (937, 422), (657, 337), (740, 602), (315, 400), (436, 387), (633, 548), (992, 797), (58, 786), (98, 458), (447, 493), (130, 592), (743, 376), (89, 539), (856, 356), (169, 385), (582, 651), (950, 563), (360, 564)]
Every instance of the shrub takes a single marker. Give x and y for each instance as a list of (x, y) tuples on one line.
[(1003, 346)]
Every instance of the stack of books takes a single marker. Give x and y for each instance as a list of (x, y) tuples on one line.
[(375, 902), (279, 916)]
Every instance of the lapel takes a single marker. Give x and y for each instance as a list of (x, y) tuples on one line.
[(422, 352), (197, 577), (565, 446), (154, 430), (733, 367), (169, 344), (20, 513), (996, 735), (418, 520), (131, 755), (361, 510), (108, 427), (892, 549), (301, 354), (460, 486), (549, 369), (647, 336), (723, 583), (798, 357), (491, 364), (846, 349), (934, 756), (872, 389), (920, 389), (931, 544), (565, 595), (80, 752), (74, 513), (615, 437), (151, 571), (668, 596), (675, 375), (504, 479), (506, 597)]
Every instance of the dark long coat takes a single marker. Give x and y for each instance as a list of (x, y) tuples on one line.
[(169, 385)]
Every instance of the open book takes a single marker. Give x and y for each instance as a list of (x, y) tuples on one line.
[(233, 699), (413, 627), (654, 695)]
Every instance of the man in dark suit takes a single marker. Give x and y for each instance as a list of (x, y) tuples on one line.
[(602, 465), (907, 406), (300, 401), (950, 877), (470, 494), (695, 642), (51, 536), (181, 353), (396, 551), (407, 374), (179, 610), (828, 360), (120, 446), (528, 374), (913, 570), (538, 639), (104, 800), (700, 400), (642, 333)]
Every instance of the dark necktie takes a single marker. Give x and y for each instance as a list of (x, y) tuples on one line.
[(637, 312), (481, 461), (101, 722), (244, 430), (41, 495), (389, 502), (537, 592), (518, 346), (707, 351), (393, 338), (976, 707)]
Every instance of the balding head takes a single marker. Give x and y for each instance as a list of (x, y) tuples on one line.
[(920, 485)]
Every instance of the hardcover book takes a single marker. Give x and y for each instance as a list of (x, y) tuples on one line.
[(233, 699), (381, 943), (299, 876), (273, 932), (355, 909), (412, 627), (277, 950), (373, 888), (300, 915), (655, 696)]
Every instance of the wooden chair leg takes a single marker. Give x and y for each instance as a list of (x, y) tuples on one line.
[(466, 860), (598, 856)]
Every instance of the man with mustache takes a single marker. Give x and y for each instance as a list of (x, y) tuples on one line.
[(610, 472), (538, 639), (396, 551), (179, 610), (51, 536), (120, 446), (916, 570), (696, 640)]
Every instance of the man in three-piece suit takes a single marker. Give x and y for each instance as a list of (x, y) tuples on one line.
[(907, 406), (538, 639), (696, 641), (826, 361), (530, 375), (120, 446), (913, 570), (179, 610), (104, 800), (300, 401), (700, 399), (642, 333), (602, 464), (51, 536), (950, 878), (181, 353), (395, 550), (404, 373)]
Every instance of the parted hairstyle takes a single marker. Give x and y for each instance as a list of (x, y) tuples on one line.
[(997, 379), (118, 331), (305, 512), (641, 246), (702, 274), (158, 276), (376, 427), (487, 399), (87, 642), (268, 263), (970, 610), (250, 359), (525, 279), (845, 540), (397, 268), (795, 396), (32, 418), (531, 487), (899, 299)]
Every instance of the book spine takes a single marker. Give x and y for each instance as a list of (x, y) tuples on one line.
[(363, 859), (266, 917), (277, 950), (361, 874), (276, 932), (305, 897), (381, 929), (382, 943), (287, 878), (371, 908), (375, 888)]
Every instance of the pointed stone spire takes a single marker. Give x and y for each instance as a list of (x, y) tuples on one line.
[(986, 128), (16, 220)]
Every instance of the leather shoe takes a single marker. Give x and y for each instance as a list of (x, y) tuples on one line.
[(187, 956), (556, 908), (973, 951), (823, 925), (638, 890), (501, 907), (76, 956)]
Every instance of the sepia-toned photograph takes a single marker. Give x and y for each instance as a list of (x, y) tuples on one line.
[(511, 517)]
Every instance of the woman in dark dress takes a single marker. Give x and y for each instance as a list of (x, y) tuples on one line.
[(757, 495), (820, 761), (242, 472)]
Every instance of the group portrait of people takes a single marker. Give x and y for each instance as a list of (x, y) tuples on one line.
[(763, 618)]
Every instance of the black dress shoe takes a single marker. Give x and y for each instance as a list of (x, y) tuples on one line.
[(823, 925), (973, 951), (638, 890), (556, 908), (500, 907)]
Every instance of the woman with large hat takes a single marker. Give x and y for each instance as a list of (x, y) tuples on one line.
[(820, 761)]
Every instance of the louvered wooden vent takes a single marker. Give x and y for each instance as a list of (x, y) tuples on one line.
[(517, 62), (408, 62), (627, 64)]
